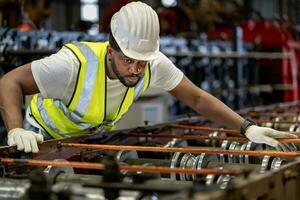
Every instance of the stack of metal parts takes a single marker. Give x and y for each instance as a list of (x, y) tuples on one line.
[(191, 158)]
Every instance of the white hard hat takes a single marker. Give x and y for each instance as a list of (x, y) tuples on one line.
[(135, 28)]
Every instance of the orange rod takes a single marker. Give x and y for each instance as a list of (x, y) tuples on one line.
[(295, 109), (86, 165), (206, 137), (183, 150), (208, 129), (277, 122), (270, 114)]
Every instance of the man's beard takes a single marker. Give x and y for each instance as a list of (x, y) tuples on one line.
[(123, 79)]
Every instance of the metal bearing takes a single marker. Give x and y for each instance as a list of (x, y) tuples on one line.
[(242, 157), (190, 163), (251, 146), (265, 164), (234, 146), (225, 145), (202, 160), (211, 179), (155, 175), (53, 170), (122, 155), (267, 124), (176, 143), (276, 163), (175, 162), (183, 165), (212, 142), (224, 180), (278, 126), (293, 127)]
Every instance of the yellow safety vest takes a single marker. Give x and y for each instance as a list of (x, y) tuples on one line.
[(87, 107)]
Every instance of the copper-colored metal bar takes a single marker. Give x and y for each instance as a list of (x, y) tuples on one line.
[(86, 165), (182, 150), (205, 137), (272, 114), (260, 121), (294, 109), (208, 129)]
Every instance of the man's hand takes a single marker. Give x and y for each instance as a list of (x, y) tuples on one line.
[(266, 135), (24, 140)]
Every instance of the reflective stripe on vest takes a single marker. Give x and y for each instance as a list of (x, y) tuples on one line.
[(87, 107)]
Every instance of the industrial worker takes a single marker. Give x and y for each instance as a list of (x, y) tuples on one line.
[(91, 85)]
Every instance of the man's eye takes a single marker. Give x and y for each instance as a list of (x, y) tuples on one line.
[(127, 60)]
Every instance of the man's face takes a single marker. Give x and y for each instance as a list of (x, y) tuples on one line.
[(129, 71)]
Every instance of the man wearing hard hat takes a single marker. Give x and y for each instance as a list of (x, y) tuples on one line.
[(90, 85)]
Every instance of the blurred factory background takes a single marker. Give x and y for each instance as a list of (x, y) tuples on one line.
[(244, 52)]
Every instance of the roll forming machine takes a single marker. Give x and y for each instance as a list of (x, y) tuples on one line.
[(190, 158)]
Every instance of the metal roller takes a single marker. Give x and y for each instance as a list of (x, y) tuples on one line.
[(266, 164), (242, 157), (225, 145), (251, 146), (214, 143), (54, 170), (175, 162), (221, 181), (185, 160), (13, 188), (122, 156), (202, 161), (141, 173), (183, 165), (271, 163), (279, 126), (285, 127), (277, 163), (210, 179), (293, 128), (267, 124), (224, 180), (176, 143), (234, 146)]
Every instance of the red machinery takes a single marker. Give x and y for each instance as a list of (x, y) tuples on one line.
[(268, 36)]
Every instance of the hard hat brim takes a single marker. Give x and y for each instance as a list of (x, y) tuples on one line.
[(140, 56)]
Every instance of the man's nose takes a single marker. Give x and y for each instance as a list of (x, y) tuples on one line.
[(135, 68)]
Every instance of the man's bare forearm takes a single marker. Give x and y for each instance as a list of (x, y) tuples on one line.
[(11, 103), (215, 110), (13, 86), (205, 104)]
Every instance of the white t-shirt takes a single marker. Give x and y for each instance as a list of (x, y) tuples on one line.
[(56, 75)]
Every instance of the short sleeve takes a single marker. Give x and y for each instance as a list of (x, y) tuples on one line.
[(54, 75), (164, 74)]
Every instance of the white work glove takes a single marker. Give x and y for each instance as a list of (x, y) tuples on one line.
[(266, 135), (24, 140)]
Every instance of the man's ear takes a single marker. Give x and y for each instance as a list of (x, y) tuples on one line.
[(109, 50)]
